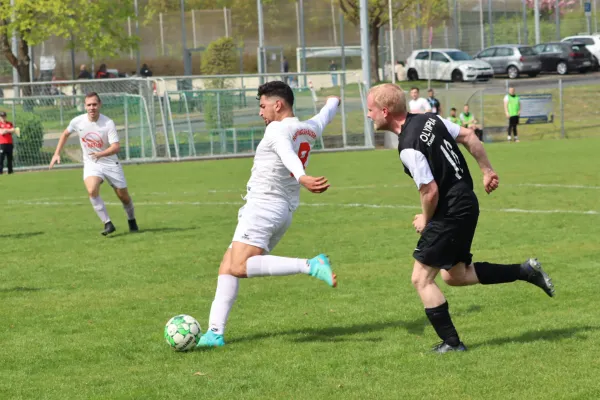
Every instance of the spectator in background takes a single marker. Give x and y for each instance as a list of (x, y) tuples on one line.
[(418, 105), (145, 72), (400, 71), (285, 68), (332, 68), (6, 143), (453, 118), (102, 73), (84, 73), (467, 120), (512, 109), (436, 107)]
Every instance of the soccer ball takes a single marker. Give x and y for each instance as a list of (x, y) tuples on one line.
[(182, 332)]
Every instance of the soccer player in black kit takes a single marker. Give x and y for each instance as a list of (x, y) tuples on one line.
[(428, 147)]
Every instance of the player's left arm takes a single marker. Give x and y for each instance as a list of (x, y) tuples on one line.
[(468, 138), (326, 115)]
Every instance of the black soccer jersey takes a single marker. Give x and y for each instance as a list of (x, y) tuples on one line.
[(429, 151)]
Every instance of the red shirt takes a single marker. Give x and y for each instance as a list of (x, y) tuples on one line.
[(7, 138)]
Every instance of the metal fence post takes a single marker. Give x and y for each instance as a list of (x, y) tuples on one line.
[(218, 110), (142, 147), (562, 108), (125, 106), (60, 104), (343, 107)]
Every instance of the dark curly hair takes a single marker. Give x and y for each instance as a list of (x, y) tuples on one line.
[(278, 89)]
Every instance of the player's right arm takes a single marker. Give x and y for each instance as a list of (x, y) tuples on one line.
[(326, 115), (283, 146), (506, 106), (61, 143)]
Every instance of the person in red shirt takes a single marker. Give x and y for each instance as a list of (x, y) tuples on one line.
[(6, 143)]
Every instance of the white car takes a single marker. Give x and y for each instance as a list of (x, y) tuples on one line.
[(592, 43), (446, 65)]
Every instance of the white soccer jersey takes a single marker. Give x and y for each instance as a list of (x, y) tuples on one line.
[(95, 137), (419, 106), (283, 154)]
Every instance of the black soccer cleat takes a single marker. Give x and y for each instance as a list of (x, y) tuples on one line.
[(445, 348), (108, 228), (133, 227), (536, 276)]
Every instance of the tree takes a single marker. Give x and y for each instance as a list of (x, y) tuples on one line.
[(431, 11), (97, 27), (547, 6)]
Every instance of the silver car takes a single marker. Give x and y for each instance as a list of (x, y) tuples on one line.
[(512, 60)]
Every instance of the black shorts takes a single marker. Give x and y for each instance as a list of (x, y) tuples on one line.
[(447, 238), (513, 121)]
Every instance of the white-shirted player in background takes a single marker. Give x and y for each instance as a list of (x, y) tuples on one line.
[(273, 194), (100, 146)]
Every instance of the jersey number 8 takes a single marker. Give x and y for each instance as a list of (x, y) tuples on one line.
[(303, 153)]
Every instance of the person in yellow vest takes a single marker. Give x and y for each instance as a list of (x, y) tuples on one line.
[(467, 120), (512, 109), (453, 118)]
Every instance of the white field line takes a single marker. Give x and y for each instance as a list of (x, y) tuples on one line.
[(339, 205)]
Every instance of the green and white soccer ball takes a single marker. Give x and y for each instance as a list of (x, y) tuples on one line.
[(182, 332)]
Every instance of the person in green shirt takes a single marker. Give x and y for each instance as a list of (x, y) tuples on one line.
[(467, 120), (453, 118), (512, 109)]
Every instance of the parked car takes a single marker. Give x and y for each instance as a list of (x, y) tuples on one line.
[(446, 65), (512, 59), (564, 57), (592, 43)]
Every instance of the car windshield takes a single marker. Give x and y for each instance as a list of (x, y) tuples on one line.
[(459, 56)]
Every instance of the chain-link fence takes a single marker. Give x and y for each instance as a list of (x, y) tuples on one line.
[(176, 118), (470, 25)]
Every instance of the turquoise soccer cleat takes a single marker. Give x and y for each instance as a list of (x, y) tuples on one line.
[(211, 339), (320, 268)]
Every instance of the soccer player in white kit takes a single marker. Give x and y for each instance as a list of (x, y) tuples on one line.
[(100, 146), (273, 194)]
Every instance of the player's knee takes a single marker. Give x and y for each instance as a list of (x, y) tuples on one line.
[(419, 282), (238, 270), (93, 193), (452, 280)]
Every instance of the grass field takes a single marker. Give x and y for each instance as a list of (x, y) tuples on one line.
[(83, 315)]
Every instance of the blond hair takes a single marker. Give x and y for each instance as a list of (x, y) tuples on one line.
[(390, 96)]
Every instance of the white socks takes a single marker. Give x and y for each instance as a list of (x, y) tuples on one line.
[(129, 210), (100, 208), (227, 285), (275, 266), (227, 288)]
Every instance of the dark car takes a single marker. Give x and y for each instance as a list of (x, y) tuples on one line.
[(564, 57)]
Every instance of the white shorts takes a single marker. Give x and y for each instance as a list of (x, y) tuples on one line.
[(262, 224), (113, 174)]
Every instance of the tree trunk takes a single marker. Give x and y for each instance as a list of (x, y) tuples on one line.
[(374, 52), (20, 61), (23, 66)]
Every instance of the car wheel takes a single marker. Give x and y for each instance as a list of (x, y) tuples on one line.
[(561, 68), (457, 76), (412, 75), (513, 72)]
